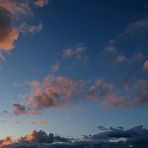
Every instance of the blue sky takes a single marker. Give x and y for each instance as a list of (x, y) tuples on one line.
[(73, 65)]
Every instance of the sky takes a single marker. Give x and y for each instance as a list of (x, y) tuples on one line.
[(69, 66)]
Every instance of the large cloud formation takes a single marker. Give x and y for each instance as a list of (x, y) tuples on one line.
[(9, 11), (60, 92), (135, 137)]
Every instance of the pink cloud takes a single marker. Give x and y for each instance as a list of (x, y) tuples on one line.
[(99, 89), (76, 51), (41, 3), (68, 52), (121, 58), (55, 67), (145, 66), (17, 8), (52, 92), (115, 101)]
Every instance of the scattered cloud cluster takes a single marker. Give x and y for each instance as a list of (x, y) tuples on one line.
[(76, 51), (60, 92), (135, 137), (51, 92)]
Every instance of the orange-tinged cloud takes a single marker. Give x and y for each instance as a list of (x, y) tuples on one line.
[(5, 142), (9, 11), (7, 44)]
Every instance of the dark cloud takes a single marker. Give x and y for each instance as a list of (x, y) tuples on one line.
[(135, 137)]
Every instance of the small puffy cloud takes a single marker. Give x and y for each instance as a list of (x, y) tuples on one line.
[(19, 109), (55, 67), (41, 3), (77, 51), (68, 53), (110, 48), (145, 66), (121, 58)]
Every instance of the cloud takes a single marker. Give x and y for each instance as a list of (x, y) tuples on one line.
[(68, 52), (16, 11), (17, 8), (121, 58), (145, 66), (108, 138), (5, 142), (53, 92), (99, 89), (55, 67), (40, 122), (137, 57), (19, 109), (61, 92), (137, 26), (8, 33), (115, 101), (41, 3), (110, 48), (142, 92), (77, 51), (25, 28)]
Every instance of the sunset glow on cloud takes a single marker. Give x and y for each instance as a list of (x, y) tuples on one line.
[(74, 68)]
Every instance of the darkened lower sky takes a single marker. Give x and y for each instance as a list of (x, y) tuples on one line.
[(68, 66)]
